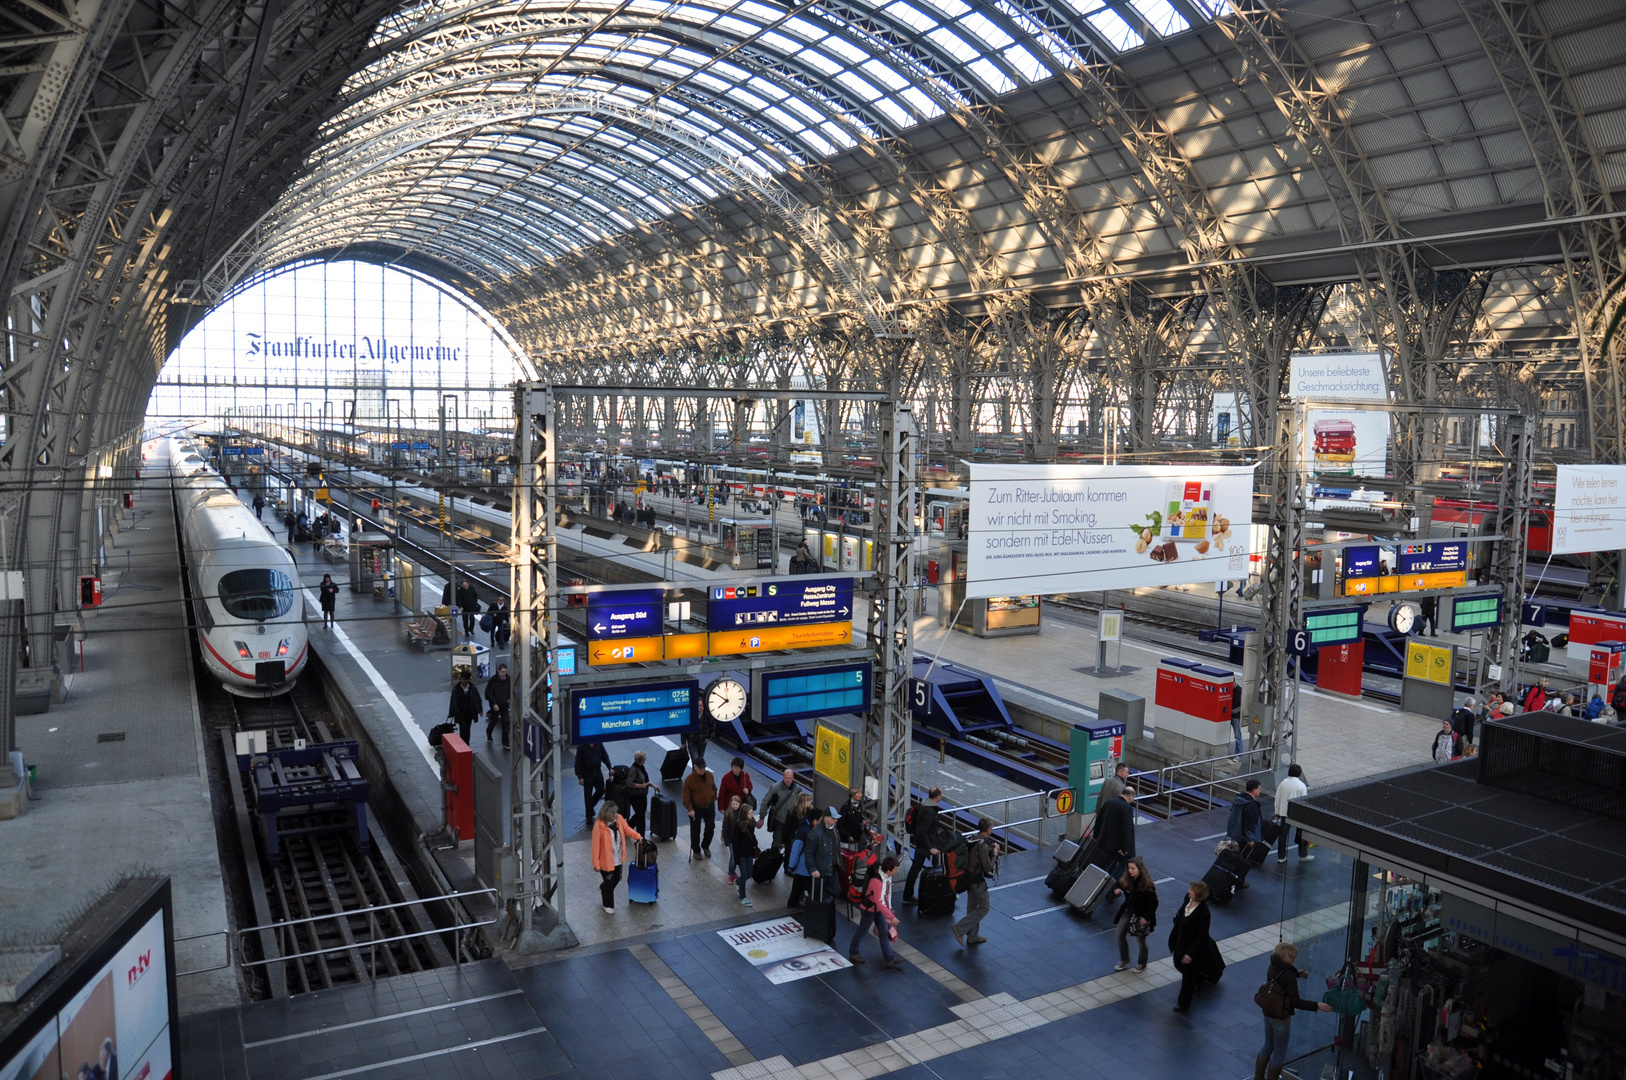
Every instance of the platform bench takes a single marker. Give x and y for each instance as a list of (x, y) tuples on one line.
[(427, 632)]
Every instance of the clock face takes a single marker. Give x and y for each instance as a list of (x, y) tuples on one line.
[(725, 700), (1402, 617)]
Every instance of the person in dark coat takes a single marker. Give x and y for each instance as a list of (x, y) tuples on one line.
[(1283, 978), (591, 761), (497, 698), (1117, 836), (1245, 826), (1196, 955), (1140, 903), (327, 594), (924, 835), (638, 789), (465, 705), (468, 602)]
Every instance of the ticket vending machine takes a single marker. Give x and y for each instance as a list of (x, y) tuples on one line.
[(1097, 745), (1605, 660)]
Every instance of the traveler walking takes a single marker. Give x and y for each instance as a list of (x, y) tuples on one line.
[(609, 853), (875, 910), (981, 863), (591, 761), (259, 505), (327, 594), (1446, 746), (1137, 918), (727, 831), (1278, 999), (823, 842), (700, 800), (464, 706), (1289, 789), (798, 823), (498, 694), (1116, 840), (1196, 955), (638, 788), (1243, 826), (700, 735), (468, 602), (777, 803), (923, 831), (742, 855), (736, 782)]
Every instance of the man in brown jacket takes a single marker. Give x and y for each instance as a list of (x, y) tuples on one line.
[(700, 800)]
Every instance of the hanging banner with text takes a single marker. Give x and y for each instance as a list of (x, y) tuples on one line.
[(1080, 528), (1348, 441), (1589, 509)]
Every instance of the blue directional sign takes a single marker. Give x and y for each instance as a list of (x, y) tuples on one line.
[(635, 614), (779, 603), (1361, 561), (1430, 558), (633, 712)]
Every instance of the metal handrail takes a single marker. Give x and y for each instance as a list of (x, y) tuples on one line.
[(1044, 798), (369, 911), (1168, 786), (198, 937)]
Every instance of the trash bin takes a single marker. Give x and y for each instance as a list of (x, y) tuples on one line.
[(472, 655)]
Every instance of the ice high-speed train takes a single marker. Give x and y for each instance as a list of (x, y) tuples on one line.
[(246, 597)]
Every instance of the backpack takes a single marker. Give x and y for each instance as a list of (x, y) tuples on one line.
[(865, 866), (620, 774), (909, 819), (956, 854), (1618, 699), (488, 622), (1594, 708)]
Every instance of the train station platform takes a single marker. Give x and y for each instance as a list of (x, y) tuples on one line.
[(121, 783), (1039, 998)]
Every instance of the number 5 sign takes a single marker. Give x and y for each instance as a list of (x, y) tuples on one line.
[(920, 698)]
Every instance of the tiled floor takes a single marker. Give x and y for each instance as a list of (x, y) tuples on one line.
[(1039, 998)]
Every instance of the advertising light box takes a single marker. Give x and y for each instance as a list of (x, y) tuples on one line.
[(600, 714), (1076, 528), (1589, 509), (1348, 441)]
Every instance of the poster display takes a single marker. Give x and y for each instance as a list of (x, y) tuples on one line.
[(781, 953), (1352, 441), (1589, 509), (1226, 423), (1076, 528)]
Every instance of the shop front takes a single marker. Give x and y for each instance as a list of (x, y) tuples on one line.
[(1487, 925)]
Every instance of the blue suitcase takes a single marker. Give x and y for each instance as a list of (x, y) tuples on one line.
[(643, 884)]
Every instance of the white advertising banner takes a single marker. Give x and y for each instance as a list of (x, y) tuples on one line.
[(1080, 528), (1343, 440), (780, 951), (1589, 509)]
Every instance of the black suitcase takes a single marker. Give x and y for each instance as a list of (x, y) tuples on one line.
[(1227, 873), (1270, 829), (1089, 890), (1256, 853), (1061, 879), (1082, 854), (673, 764), (766, 866), (662, 817), (819, 916), (937, 898)]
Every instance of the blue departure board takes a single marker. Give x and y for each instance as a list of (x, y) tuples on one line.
[(803, 693), (605, 714)]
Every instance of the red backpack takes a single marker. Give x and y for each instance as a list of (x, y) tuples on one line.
[(865, 866), (1535, 699)]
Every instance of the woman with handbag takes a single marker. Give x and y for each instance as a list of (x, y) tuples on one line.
[(1277, 999), (1196, 955), (1138, 915)]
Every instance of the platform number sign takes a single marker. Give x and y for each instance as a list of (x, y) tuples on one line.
[(1299, 643), (920, 698)]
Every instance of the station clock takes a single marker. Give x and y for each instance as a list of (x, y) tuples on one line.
[(725, 699)]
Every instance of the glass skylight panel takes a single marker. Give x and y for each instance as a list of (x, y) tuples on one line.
[(884, 73), (986, 30), (1027, 65), (921, 101), (991, 76), (910, 17), (1111, 26)]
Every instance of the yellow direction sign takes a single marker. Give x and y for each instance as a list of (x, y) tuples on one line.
[(624, 651), (769, 638)]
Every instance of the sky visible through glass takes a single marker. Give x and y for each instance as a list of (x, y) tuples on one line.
[(308, 342)]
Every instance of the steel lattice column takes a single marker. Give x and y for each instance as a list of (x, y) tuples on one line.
[(1282, 600), (1517, 437), (536, 893), (888, 724)]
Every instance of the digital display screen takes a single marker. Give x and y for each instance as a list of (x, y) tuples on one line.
[(633, 712), (1476, 612), (809, 692), (1339, 627)]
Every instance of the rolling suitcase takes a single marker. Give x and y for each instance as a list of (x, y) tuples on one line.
[(1256, 852), (766, 866), (819, 916), (1089, 890), (673, 764), (662, 817), (937, 897), (1225, 875), (1064, 874), (644, 875)]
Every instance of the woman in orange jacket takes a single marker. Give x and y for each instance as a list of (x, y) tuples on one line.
[(608, 850)]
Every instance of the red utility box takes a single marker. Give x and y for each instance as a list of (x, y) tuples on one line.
[(90, 591), (460, 785), (1338, 668), (129, 501)]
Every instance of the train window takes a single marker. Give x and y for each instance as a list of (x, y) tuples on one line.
[(256, 594)]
